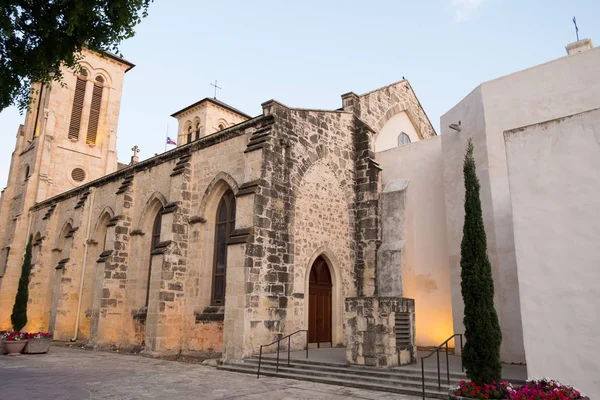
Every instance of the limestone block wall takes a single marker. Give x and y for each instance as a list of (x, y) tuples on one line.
[(371, 331), (377, 107), (425, 268), (309, 160), (555, 192)]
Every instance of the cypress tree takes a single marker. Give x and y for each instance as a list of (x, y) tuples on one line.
[(481, 354), (19, 314)]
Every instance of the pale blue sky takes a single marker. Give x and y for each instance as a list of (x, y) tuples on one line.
[(307, 53)]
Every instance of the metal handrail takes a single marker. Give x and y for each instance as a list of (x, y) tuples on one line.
[(437, 352), (278, 341)]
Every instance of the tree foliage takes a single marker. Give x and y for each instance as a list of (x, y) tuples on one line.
[(19, 314), (481, 355), (37, 37)]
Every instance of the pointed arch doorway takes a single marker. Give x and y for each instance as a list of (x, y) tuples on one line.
[(319, 303)]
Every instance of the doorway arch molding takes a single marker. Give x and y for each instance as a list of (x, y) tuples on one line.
[(337, 293)]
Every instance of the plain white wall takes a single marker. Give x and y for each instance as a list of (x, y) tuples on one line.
[(425, 265), (387, 138), (560, 87), (554, 175)]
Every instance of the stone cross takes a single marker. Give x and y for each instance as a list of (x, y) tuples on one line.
[(134, 157)]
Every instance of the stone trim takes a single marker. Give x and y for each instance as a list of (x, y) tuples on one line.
[(241, 235), (114, 220), (140, 314), (125, 184), (61, 263), (104, 256), (161, 247), (248, 188), (71, 233), (170, 208), (181, 165), (210, 314), (197, 220), (202, 143), (82, 200), (49, 212), (259, 139)]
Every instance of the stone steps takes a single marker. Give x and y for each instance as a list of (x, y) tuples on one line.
[(402, 381)]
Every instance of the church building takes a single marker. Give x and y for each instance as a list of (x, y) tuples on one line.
[(342, 224)]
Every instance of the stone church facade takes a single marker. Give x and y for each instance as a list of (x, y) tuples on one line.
[(250, 228)]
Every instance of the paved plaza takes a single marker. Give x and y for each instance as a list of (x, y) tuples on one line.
[(74, 374)]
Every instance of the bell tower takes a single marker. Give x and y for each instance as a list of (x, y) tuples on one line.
[(68, 138)]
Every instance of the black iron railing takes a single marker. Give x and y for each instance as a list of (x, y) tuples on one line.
[(278, 341), (437, 352)]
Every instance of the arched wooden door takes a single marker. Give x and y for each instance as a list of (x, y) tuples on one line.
[(319, 302)]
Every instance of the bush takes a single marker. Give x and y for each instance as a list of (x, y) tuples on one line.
[(19, 314), (481, 355)]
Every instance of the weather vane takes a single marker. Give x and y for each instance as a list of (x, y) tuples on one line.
[(576, 29)]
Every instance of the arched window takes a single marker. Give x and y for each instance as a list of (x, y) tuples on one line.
[(95, 111), (75, 123), (154, 240), (221, 126), (197, 130), (189, 134), (403, 139), (225, 224), (26, 172)]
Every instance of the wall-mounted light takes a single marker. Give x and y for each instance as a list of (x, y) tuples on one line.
[(455, 127)]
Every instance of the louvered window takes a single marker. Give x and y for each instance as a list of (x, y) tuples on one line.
[(77, 106), (95, 111), (403, 327)]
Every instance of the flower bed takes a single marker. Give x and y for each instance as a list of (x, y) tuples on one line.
[(30, 343), (38, 343), (536, 389)]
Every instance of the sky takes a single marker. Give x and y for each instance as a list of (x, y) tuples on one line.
[(308, 53)]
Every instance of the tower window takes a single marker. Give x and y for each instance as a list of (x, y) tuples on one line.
[(95, 111), (75, 123), (197, 130), (221, 126), (189, 134), (78, 175), (403, 139), (26, 172)]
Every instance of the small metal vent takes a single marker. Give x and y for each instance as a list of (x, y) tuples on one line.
[(78, 175), (403, 330)]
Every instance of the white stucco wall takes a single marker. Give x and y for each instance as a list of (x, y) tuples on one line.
[(554, 178), (425, 265), (560, 87), (387, 138)]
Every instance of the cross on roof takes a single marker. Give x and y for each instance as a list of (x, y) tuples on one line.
[(135, 150), (216, 87)]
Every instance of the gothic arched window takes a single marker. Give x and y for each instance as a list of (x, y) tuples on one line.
[(78, 97), (403, 139), (197, 130), (95, 111), (154, 240), (225, 224)]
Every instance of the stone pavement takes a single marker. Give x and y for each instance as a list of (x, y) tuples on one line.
[(74, 374)]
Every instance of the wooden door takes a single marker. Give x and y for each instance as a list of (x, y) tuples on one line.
[(319, 303)]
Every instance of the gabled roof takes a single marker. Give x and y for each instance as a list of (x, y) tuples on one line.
[(216, 102)]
